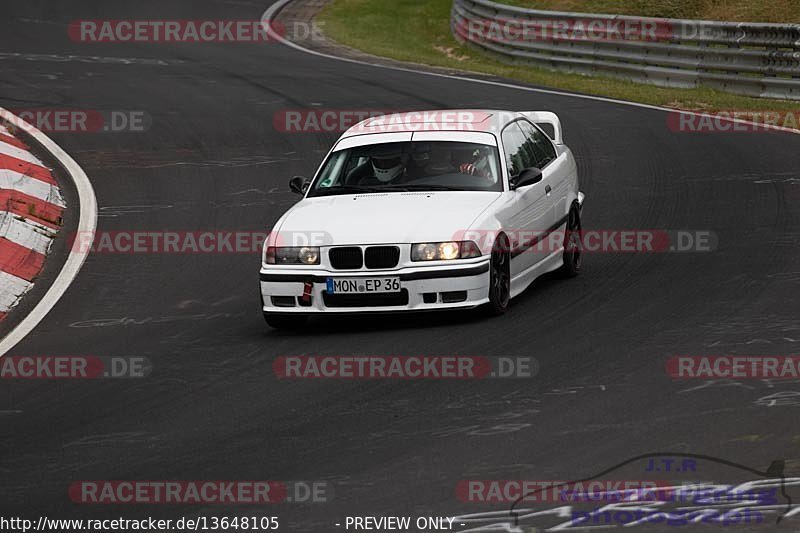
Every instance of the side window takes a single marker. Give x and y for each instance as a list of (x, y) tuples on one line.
[(333, 170), (518, 156), (538, 143)]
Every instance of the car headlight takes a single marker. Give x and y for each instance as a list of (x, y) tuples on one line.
[(296, 255), (444, 251)]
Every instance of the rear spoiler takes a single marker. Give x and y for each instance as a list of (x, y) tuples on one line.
[(546, 117)]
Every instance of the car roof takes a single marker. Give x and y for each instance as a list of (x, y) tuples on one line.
[(478, 120)]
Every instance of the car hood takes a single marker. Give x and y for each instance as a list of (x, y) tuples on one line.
[(384, 217)]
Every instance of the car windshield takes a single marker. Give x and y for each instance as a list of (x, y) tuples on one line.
[(410, 166)]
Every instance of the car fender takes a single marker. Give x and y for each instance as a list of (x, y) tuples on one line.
[(486, 226)]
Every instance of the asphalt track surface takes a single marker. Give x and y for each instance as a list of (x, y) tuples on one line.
[(212, 408)]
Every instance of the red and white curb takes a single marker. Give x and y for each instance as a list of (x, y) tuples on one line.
[(31, 208), (30, 215)]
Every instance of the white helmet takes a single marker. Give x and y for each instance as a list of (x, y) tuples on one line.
[(387, 167)]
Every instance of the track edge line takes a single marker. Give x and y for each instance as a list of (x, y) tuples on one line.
[(87, 222)]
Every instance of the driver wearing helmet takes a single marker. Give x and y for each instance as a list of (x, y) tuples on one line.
[(386, 167)]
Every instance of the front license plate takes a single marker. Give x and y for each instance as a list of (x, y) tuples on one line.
[(363, 285)]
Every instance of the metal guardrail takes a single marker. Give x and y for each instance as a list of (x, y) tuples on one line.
[(754, 59)]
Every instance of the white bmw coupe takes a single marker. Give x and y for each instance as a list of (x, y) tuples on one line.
[(424, 211)]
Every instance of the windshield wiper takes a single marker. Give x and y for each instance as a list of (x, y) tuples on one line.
[(421, 187), (345, 189), (357, 189)]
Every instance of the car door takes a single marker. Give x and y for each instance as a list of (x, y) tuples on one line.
[(532, 213), (555, 170)]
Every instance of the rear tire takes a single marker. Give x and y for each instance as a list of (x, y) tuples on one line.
[(572, 245), (499, 279), (285, 321)]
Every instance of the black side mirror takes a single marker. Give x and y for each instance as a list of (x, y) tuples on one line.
[(529, 176), (298, 185)]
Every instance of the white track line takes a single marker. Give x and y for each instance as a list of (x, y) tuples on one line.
[(272, 10), (87, 222)]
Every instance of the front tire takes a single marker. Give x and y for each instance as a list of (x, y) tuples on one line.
[(499, 279), (572, 245), (285, 321)]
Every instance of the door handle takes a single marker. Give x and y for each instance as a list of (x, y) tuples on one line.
[(547, 189)]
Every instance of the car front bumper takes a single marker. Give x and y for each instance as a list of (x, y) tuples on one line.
[(452, 286)]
